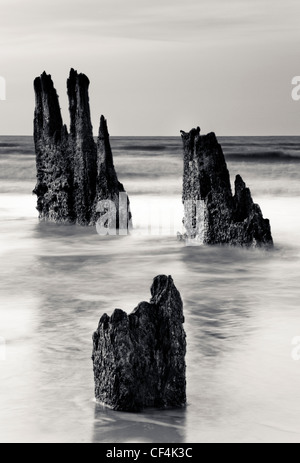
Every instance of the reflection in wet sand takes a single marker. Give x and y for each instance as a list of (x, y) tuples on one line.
[(151, 426)]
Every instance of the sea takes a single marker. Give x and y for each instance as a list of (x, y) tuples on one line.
[(241, 306)]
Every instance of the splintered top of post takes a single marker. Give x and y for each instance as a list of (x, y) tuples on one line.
[(44, 84), (191, 134), (192, 131), (195, 134), (162, 284), (48, 119), (103, 130), (76, 77), (163, 290)]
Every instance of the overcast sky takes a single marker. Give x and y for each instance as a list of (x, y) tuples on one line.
[(157, 66)]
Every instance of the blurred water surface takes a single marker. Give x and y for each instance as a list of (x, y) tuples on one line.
[(241, 306)]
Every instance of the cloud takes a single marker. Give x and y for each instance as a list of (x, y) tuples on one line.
[(171, 20), (176, 63)]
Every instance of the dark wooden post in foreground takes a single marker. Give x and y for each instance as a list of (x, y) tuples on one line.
[(139, 359)]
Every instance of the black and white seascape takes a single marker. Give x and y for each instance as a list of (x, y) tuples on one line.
[(154, 160)]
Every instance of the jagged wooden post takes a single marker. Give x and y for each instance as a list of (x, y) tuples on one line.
[(108, 185), (228, 219), (139, 359), (83, 147), (53, 157), (73, 172)]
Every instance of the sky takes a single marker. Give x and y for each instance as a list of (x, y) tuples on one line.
[(157, 66)]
